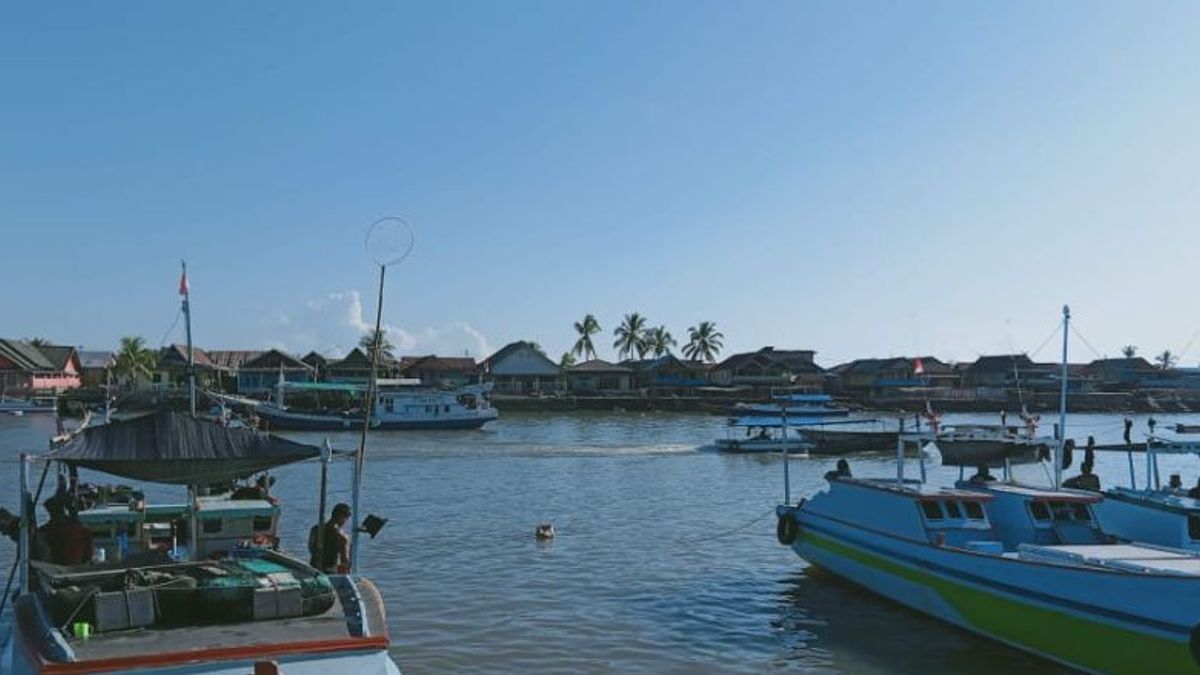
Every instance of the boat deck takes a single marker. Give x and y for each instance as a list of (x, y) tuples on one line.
[(1126, 557)]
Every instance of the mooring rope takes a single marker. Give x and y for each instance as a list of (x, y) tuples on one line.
[(726, 533)]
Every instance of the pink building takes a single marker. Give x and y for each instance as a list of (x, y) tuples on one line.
[(27, 367)]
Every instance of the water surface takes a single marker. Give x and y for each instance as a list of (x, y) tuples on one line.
[(665, 559)]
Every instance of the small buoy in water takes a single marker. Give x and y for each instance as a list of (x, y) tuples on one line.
[(544, 531)]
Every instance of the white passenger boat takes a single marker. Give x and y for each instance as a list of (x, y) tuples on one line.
[(36, 404), (159, 604), (399, 405)]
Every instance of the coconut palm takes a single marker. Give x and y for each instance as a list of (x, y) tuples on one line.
[(386, 348), (659, 341), (1166, 359), (631, 337), (134, 361), (586, 329), (704, 342), (1128, 351)]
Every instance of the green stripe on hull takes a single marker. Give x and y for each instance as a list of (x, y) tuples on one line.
[(1086, 643)]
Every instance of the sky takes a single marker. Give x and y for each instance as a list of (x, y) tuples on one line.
[(861, 179)]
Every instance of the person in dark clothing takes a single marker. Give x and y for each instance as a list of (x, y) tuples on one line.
[(1128, 431), (982, 475), (63, 540), (1194, 493), (1086, 480), (1089, 451), (842, 471), (335, 544)]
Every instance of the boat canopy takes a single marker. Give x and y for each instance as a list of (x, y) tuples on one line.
[(325, 386), (171, 447)]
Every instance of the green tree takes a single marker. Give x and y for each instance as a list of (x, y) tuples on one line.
[(536, 347), (1129, 351), (659, 341), (586, 329), (704, 342), (631, 336), (386, 348), (134, 361), (37, 341), (1166, 360)]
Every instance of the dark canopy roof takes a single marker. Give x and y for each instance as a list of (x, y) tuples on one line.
[(170, 447)]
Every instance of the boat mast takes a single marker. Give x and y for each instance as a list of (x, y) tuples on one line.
[(1062, 403), (191, 356)]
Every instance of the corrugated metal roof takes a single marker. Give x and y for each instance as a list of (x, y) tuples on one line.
[(25, 356)]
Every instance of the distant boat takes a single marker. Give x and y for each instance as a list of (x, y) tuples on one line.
[(843, 441), (796, 406), (976, 444), (36, 404), (399, 405), (758, 435)]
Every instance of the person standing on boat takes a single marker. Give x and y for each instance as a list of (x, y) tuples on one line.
[(1086, 480), (63, 540), (335, 543)]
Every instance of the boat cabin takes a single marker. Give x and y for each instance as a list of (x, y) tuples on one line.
[(1024, 515), (948, 517), (122, 530)]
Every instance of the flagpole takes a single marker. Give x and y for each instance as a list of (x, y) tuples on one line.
[(191, 356)]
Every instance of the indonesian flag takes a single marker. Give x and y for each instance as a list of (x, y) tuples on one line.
[(183, 284), (918, 367)]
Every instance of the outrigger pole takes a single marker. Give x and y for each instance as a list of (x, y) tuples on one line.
[(783, 439), (362, 444), (191, 356)]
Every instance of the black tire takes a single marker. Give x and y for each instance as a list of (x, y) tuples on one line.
[(787, 530)]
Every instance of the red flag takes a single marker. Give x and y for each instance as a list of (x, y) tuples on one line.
[(183, 284), (918, 367)]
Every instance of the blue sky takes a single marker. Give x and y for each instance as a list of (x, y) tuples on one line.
[(863, 179)]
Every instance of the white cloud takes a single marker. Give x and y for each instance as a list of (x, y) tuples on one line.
[(334, 322)]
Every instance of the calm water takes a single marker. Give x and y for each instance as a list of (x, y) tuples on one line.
[(665, 560)]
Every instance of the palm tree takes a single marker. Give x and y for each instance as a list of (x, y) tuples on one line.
[(586, 329), (1128, 351), (134, 361), (659, 341), (630, 336), (704, 342), (37, 341), (1166, 359), (386, 348)]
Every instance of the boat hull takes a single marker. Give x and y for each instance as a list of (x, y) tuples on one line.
[(755, 445), (830, 442), (296, 422), (1037, 608)]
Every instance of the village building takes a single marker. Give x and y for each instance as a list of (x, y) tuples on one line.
[(668, 374), (318, 362), (24, 366), (263, 373), (521, 368), (94, 367), (769, 368), (894, 377), (439, 371), (599, 377), (355, 368), (1122, 374), (172, 367)]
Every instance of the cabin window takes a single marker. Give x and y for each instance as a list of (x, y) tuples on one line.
[(952, 510), (1194, 527), (388, 405), (932, 510), (1081, 511), (1039, 510), (212, 526), (974, 510), (446, 409), (262, 523)]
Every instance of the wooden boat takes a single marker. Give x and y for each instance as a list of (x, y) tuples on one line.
[(827, 441), (152, 606)]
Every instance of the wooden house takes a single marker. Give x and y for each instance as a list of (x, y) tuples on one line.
[(24, 366), (263, 373), (521, 368), (599, 377)]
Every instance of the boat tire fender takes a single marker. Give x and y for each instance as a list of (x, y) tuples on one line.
[(787, 529), (1068, 453)]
